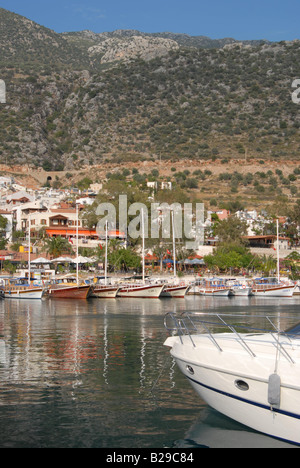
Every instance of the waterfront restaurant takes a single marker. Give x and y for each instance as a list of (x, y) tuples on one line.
[(267, 242)]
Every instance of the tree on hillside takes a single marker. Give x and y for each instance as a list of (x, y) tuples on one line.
[(3, 224), (231, 230), (295, 215)]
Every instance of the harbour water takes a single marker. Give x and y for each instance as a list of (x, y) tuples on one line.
[(95, 374)]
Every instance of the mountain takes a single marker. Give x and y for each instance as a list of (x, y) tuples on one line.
[(83, 97), (25, 44)]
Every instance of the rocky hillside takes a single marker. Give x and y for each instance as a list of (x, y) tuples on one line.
[(29, 46), (118, 49), (86, 98)]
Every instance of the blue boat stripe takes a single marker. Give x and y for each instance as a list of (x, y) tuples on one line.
[(244, 400)]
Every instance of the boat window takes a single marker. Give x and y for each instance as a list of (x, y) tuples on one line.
[(190, 370), (241, 385)]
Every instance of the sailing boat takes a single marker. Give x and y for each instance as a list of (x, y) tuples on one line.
[(175, 290), (22, 288), (68, 287), (142, 291), (105, 291), (273, 286)]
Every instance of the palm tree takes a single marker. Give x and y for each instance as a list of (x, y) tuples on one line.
[(56, 246), (268, 264), (183, 254)]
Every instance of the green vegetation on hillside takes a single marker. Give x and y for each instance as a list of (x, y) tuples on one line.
[(64, 111)]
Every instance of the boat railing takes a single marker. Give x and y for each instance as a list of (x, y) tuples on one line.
[(187, 325)]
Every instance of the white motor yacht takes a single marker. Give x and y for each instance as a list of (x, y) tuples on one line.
[(252, 377), (239, 288)]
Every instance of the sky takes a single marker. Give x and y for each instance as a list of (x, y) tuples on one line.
[(274, 20)]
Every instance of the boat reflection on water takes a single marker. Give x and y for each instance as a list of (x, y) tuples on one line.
[(94, 374), (213, 430)]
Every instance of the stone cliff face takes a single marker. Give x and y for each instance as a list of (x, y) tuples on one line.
[(124, 49)]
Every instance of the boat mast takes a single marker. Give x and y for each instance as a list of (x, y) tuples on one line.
[(278, 257), (77, 247), (106, 247), (174, 245), (143, 247), (29, 248)]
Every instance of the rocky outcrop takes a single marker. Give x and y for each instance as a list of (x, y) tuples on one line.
[(124, 49)]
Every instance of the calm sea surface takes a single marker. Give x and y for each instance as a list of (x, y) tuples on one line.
[(95, 374)]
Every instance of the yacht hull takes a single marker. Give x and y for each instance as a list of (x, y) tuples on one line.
[(246, 291), (236, 383)]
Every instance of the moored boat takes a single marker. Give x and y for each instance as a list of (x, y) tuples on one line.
[(272, 287), (103, 288), (142, 291), (18, 288), (67, 287), (175, 291), (69, 292), (297, 288), (251, 377), (238, 288), (23, 288), (212, 287), (105, 292)]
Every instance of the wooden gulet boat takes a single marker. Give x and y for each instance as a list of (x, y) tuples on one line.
[(142, 290), (68, 291), (18, 288), (175, 291), (23, 288), (105, 291), (273, 287), (68, 286), (212, 287)]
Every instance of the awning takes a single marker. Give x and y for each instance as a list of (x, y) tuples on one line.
[(66, 232)]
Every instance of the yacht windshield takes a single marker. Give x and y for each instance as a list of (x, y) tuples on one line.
[(293, 331)]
